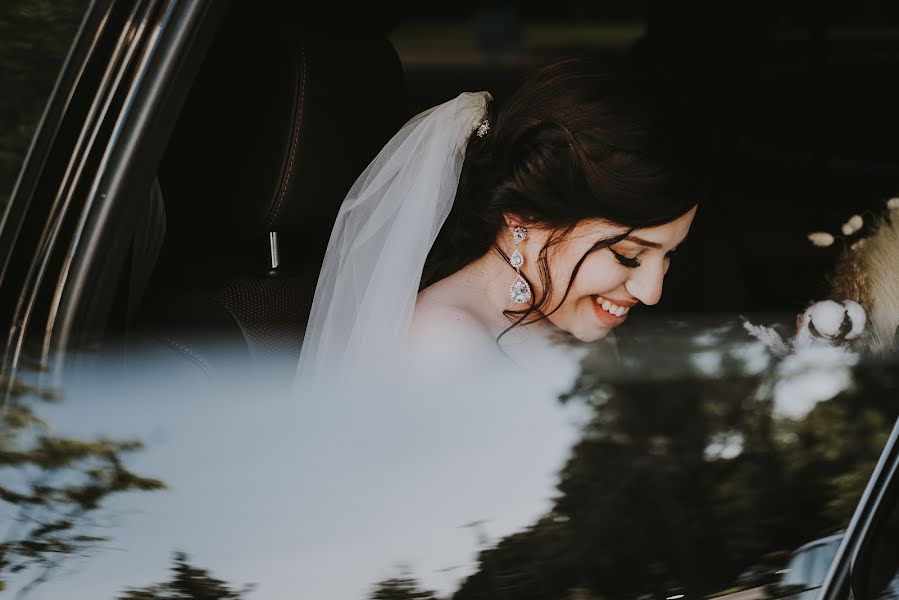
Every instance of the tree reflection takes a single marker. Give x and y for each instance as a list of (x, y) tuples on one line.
[(404, 587), (54, 488), (188, 583), (687, 473), (35, 38)]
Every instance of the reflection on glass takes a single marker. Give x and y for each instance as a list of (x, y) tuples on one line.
[(53, 489), (823, 557), (671, 470), (694, 465), (187, 582), (35, 38)]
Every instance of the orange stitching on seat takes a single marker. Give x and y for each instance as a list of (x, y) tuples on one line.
[(296, 135)]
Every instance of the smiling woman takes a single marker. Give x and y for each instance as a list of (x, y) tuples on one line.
[(165, 237), (610, 280), (556, 211)]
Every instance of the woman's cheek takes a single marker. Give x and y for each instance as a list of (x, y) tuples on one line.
[(603, 276)]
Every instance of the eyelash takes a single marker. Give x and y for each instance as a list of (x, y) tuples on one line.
[(632, 263)]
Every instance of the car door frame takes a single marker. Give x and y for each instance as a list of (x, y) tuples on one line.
[(876, 504), (96, 149)]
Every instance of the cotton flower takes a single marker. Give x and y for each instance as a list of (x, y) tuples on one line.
[(821, 239), (857, 316), (827, 316), (854, 223), (893, 203)]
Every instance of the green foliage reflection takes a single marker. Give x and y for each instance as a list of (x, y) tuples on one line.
[(680, 483), (404, 587), (54, 488), (35, 36), (188, 583)]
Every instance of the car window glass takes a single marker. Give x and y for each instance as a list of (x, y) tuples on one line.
[(684, 461), (821, 560), (797, 569), (34, 39)]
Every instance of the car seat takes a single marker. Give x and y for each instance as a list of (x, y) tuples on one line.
[(286, 112)]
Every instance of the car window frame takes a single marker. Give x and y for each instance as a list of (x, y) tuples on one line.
[(879, 499), (80, 248), (886, 507)]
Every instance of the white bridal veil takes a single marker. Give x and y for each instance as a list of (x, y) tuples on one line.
[(386, 226)]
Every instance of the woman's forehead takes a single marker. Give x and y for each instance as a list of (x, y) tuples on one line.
[(673, 232), (652, 237)]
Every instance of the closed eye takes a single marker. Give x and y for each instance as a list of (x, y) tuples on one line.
[(634, 262), (627, 261)]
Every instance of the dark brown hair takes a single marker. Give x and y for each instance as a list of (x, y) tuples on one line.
[(577, 142)]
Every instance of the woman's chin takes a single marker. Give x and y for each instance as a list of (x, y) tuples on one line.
[(591, 323), (594, 335)]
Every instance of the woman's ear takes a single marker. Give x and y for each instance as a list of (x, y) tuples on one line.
[(513, 220)]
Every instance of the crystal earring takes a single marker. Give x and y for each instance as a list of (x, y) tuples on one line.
[(519, 290)]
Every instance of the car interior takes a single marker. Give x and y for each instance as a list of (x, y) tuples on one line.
[(288, 109), (293, 118), (210, 261)]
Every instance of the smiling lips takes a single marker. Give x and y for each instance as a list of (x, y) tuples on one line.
[(613, 308)]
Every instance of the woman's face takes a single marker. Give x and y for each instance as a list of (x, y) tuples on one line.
[(611, 281)]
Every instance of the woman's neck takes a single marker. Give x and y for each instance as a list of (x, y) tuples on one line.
[(487, 280)]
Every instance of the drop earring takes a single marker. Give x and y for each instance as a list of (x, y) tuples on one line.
[(519, 290)]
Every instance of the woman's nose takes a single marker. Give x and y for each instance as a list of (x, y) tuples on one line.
[(645, 284)]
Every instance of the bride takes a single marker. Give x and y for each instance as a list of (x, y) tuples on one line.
[(480, 231)]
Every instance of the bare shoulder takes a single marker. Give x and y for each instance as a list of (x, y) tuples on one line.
[(448, 336), (450, 323), (448, 341)]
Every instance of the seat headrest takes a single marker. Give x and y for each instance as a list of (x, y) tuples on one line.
[(286, 114), (325, 104)]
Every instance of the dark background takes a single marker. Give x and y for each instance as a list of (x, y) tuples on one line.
[(803, 93)]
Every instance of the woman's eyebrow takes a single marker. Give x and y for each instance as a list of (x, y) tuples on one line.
[(642, 242), (647, 243)]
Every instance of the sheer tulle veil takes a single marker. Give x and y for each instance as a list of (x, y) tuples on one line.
[(384, 230)]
